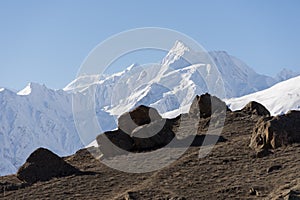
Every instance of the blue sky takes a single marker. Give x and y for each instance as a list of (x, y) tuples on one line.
[(46, 41)]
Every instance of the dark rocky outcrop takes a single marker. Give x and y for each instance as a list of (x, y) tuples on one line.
[(139, 116), (274, 168), (115, 142), (43, 165), (146, 137), (254, 108), (143, 129), (274, 132), (205, 105), (138, 130), (153, 136)]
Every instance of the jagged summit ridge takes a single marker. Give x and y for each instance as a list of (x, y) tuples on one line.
[(32, 88)]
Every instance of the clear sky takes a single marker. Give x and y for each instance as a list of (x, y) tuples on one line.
[(46, 41)]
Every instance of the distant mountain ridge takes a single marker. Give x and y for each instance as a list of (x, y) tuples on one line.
[(40, 117), (37, 116), (286, 74)]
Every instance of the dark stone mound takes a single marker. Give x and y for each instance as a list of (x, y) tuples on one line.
[(43, 165), (274, 168), (137, 117), (141, 129), (115, 142), (153, 136), (274, 132), (144, 138), (254, 108), (205, 105)]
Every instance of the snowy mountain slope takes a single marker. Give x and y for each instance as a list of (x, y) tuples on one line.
[(34, 117), (37, 116), (169, 86), (278, 99), (173, 83), (239, 79), (176, 85)]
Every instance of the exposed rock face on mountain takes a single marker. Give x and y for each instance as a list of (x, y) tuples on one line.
[(42, 165), (255, 108), (274, 132), (205, 105)]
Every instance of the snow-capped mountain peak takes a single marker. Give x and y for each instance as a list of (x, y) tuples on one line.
[(179, 48), (178, 55), (26, 91), (32, 88)]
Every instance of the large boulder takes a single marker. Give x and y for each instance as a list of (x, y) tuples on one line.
[(43, 165), (139, 116), (153, 136), (274, 132), (255, 108), (115, 142), (205, 105), (140, 129)]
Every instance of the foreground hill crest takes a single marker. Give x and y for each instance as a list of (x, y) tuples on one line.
[(232, 168)]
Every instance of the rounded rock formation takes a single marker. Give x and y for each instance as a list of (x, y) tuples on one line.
[(43, 165), (153, 136), (256, 108), (115, 142), (139, 116), (274, 132), (205, 105)]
